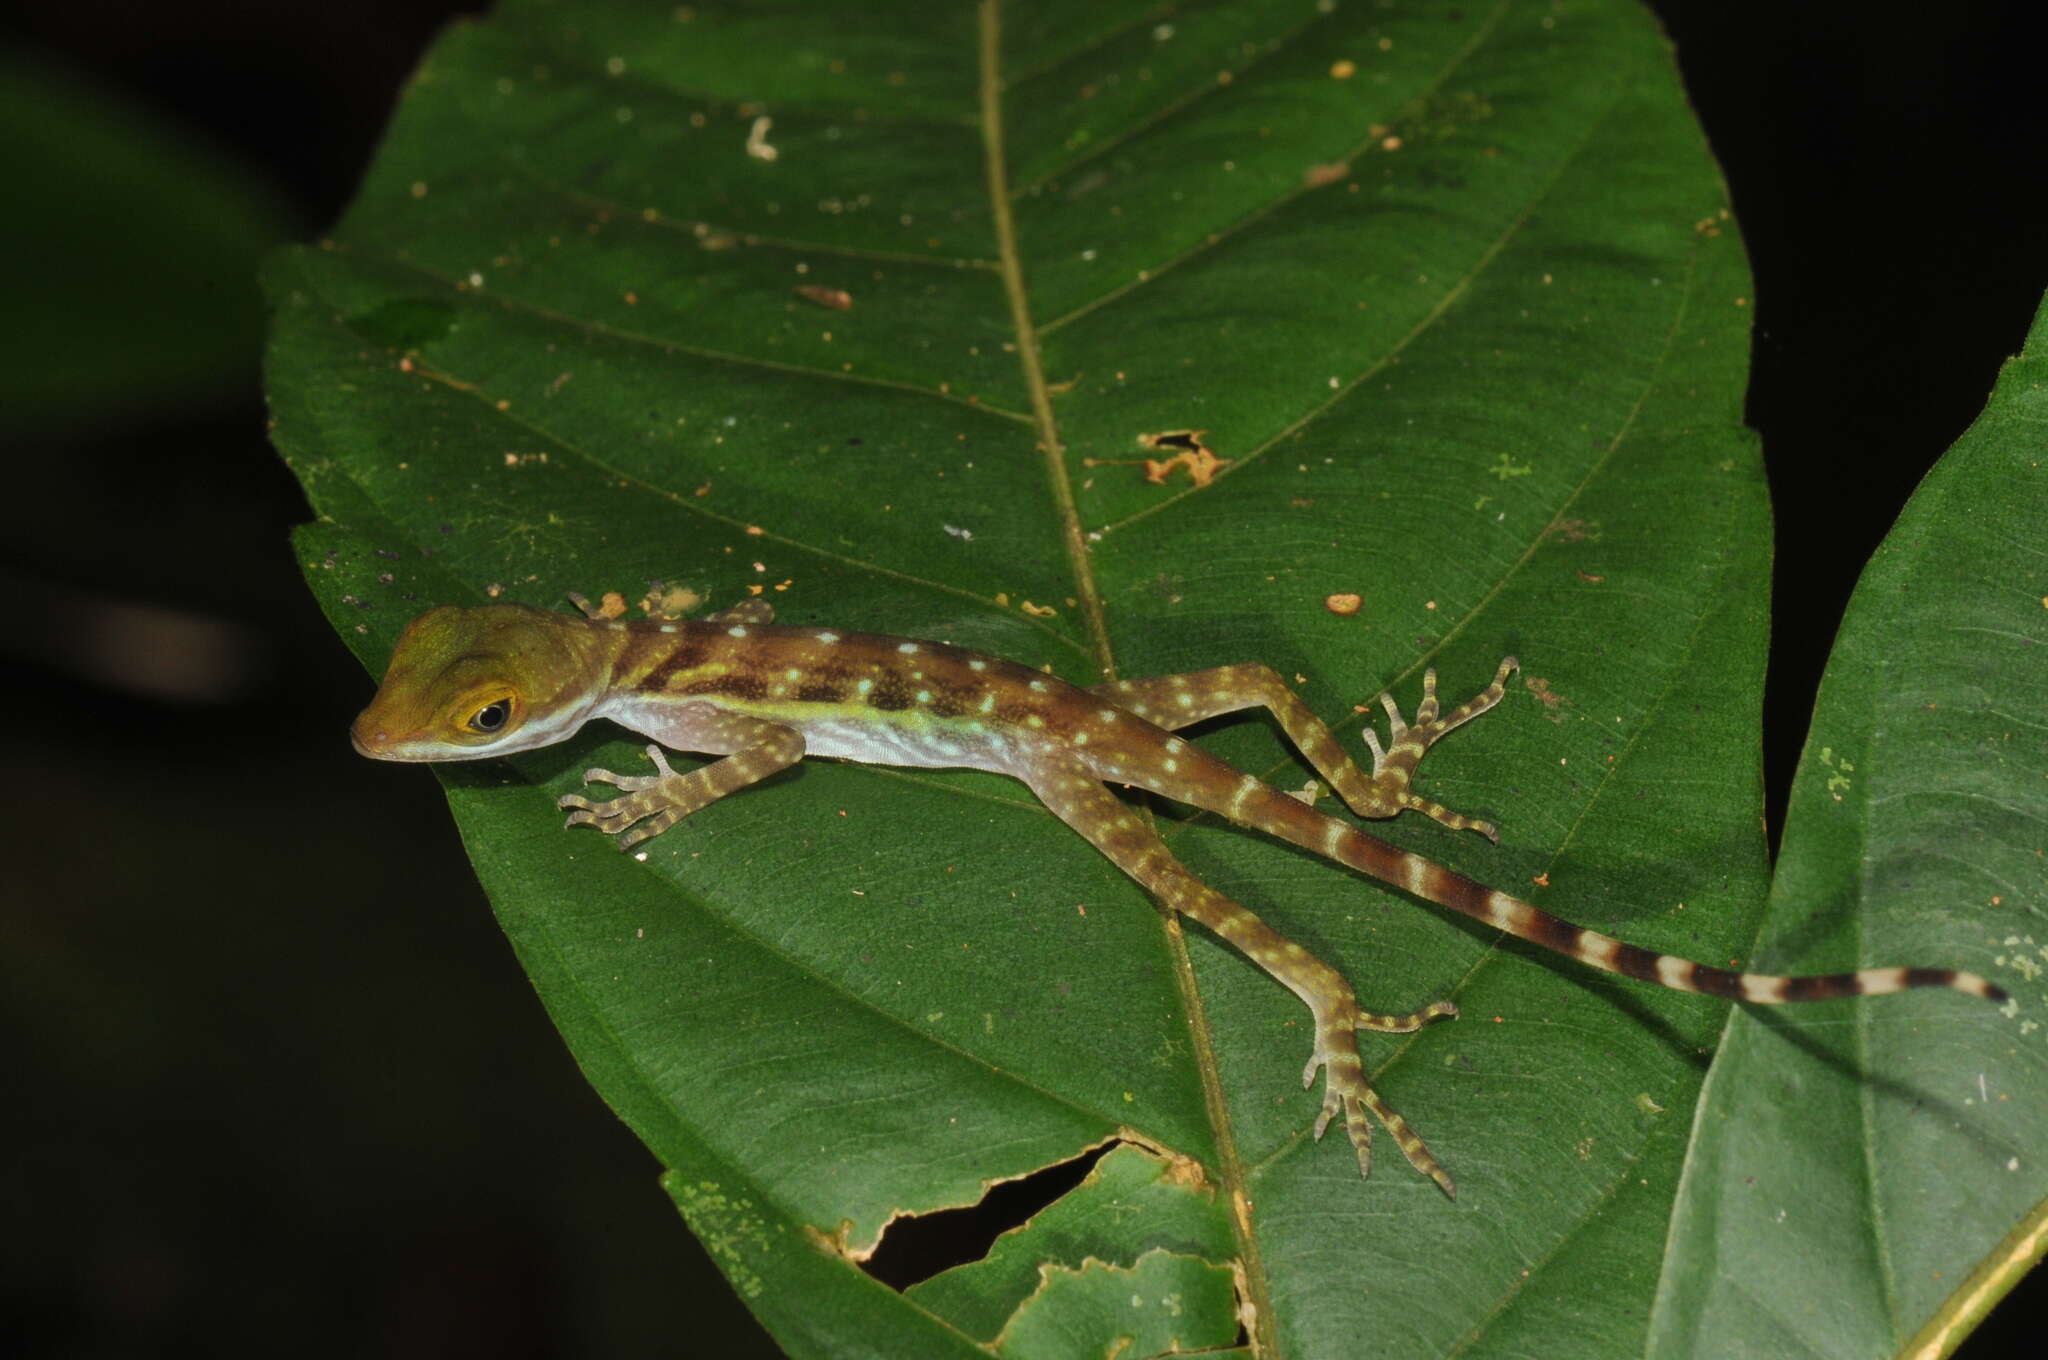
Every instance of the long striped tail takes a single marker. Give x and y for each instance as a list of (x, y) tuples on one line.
[(1434, 883)]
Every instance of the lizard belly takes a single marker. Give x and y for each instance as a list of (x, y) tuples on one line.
[(925, 745)]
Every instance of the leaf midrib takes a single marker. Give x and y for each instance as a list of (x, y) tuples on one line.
[(1229, 1168)]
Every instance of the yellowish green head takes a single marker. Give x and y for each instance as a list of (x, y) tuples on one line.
[(465, 683)]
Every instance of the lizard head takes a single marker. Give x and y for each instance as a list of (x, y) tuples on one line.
[(489, 680)]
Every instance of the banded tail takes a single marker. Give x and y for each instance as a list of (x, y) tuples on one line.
[(1434, 883), (1293, 820)]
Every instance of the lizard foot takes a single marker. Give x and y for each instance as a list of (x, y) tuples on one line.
[(1346, 1091), (1394, 766), (650, 806)]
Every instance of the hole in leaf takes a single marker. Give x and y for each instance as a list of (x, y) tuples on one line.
[(1187, 452), (915, 1248)]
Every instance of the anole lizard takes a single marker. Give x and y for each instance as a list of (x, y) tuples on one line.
[(468, 683)]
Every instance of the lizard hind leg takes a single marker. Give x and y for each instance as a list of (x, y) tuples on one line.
[(1346, 1091), (1077, 798), (1393, 766), (1175, 701)]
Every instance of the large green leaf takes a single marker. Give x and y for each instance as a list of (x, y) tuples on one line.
[(1915, 831), (1454, 291)]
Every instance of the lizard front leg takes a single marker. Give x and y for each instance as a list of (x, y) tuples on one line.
[(751, 609), (1081, 801), (1174, 701), (652, 803)]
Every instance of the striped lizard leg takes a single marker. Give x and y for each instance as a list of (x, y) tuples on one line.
[(1174, 701), (652, 803), (1080, 800)]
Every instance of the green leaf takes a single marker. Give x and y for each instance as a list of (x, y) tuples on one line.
[(1454, 293), (1132, 1205), (1155, 1307), (1915, 832)]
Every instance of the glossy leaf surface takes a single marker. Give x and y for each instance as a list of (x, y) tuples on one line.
[(881, 312)]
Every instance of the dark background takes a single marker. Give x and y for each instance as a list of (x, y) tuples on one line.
[(255, 1107)]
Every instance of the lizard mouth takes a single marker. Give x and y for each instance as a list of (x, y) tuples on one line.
[(375, 745), (379, 744)]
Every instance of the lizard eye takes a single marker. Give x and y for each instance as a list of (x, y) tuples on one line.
[(491, 717)]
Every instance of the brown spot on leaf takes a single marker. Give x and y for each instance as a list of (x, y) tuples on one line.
[(1553, 701), (1187, 451), (837, 299)]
